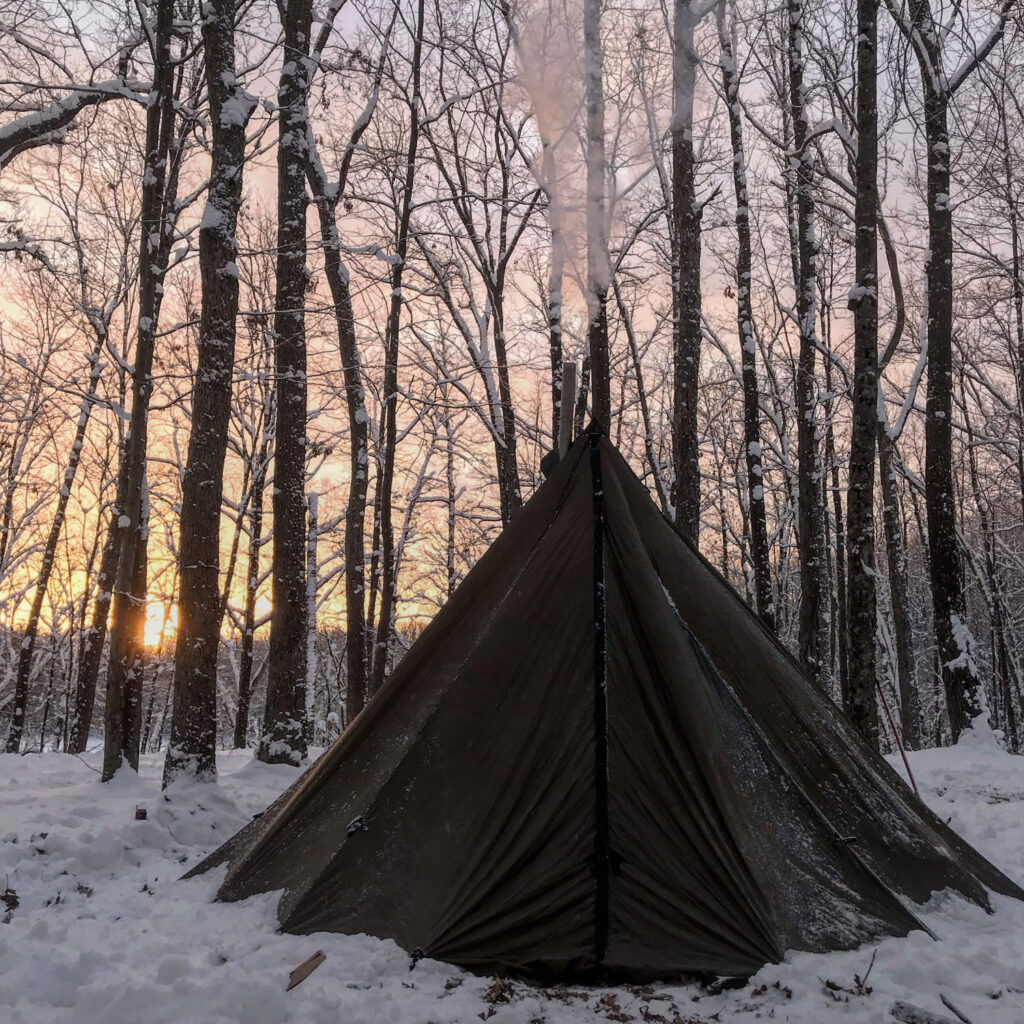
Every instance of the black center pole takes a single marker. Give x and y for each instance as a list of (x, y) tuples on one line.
[(602, 849)]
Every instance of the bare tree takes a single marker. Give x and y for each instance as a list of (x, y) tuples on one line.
[(928, 38)]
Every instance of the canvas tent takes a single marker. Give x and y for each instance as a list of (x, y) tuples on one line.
[(596, 760)]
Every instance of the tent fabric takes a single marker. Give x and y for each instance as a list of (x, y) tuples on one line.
[(596, 760)]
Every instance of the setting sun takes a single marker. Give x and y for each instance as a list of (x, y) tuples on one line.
[(161, 623)]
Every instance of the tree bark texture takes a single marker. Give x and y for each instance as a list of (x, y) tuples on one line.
[(282, 740), (861, 611), (193, 742)]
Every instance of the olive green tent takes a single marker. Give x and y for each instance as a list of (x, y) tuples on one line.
[(596, 760)]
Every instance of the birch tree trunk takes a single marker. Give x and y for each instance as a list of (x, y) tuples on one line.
[(760, 554)]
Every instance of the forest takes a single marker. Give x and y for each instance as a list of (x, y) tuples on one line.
[(287, 290)]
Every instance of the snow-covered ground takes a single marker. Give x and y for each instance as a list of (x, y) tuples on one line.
[(100, 930)]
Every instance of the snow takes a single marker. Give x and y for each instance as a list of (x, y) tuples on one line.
[(104, 931), (213, 218), (236, 110), (859, 292)]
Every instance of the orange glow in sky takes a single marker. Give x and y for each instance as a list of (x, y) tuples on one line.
[(161, 623)]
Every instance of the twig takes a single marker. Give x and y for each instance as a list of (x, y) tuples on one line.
[(910, 1014), (949, 1006), (867, 973), (87, 765)]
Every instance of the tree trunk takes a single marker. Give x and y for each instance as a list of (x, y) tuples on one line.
[(389, 583), (556, 271), (282, 740), (686, 284), (359, 465), (450, 509), (327, 197), (90, 652), (814, 625), (598, 271), (860, 701), (760, 554), (1003, 672), (123, 712), (839, 647), (252, 579), (508, 462), (193, 743), (641, 390), (312, 585), (899, 590), (949, 609)]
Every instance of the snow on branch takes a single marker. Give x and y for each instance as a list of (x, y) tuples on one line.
[(48, 124)]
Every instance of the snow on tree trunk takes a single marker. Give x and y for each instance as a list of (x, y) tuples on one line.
[(961, 685), (814, 626), (760, 553), (949, 611), (859, 701), (193, 743), (282, 739)]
